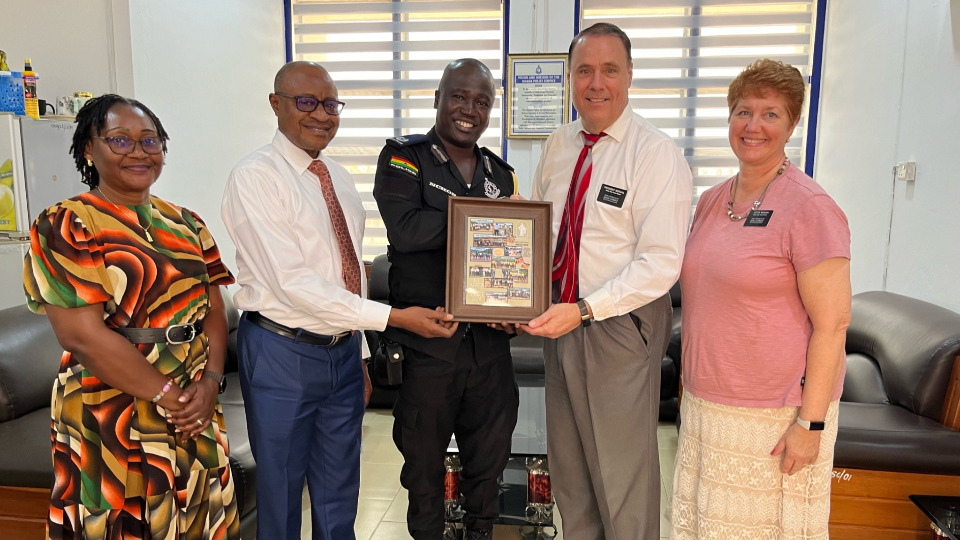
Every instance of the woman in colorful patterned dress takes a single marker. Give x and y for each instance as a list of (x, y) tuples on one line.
[(139, 443)]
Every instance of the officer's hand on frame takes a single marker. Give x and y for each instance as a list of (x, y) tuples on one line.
[(424, 322), (554, 322), (517, 197), (448, 323), (510, 328)]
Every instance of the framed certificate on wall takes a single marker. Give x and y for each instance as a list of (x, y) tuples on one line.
[(537, 95), (498, 259)]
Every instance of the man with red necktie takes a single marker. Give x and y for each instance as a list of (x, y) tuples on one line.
[(297, 221), (621, 210)]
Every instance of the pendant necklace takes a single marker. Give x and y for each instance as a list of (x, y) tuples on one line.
[(756, 203), (146, 230)]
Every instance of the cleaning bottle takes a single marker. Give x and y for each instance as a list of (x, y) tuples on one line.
[(31, 105)]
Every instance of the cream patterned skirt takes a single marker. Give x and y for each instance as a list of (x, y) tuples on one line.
[(728, 486)]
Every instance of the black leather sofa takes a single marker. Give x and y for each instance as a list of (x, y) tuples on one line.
[(29, 356), (892, 441), (527, 350)]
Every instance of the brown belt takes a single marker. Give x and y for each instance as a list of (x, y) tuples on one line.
[(296, 334), (176, 334)]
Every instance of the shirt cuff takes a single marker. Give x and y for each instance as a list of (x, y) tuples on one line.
[(602, 304), (373, 315)]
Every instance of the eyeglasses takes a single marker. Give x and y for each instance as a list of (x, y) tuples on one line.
[(310, 104), (123, 145)]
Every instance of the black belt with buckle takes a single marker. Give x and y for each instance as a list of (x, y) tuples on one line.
[(296, 334), (174, 335)]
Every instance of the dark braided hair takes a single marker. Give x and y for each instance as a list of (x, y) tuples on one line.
[(90, 122)]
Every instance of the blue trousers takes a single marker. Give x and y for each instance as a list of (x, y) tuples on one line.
[(304, 407)]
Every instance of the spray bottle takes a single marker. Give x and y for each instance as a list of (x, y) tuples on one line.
[(31, 105)]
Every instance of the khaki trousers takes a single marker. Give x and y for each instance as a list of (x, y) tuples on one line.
[(602, 399)]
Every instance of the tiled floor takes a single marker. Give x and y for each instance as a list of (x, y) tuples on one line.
[(383, 502)]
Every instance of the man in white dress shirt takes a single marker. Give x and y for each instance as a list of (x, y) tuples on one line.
[(620, 217), (297, 221)]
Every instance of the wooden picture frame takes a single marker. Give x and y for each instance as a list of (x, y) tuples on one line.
[(498, 259), (536, 95)]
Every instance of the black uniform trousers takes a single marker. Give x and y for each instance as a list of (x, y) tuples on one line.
[(439, 398)]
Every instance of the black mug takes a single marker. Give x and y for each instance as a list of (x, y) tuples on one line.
[(42, 105)]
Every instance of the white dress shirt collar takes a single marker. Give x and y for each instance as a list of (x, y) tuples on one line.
[(617, 130), (297, 157)]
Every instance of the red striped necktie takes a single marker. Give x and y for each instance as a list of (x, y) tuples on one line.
[(349, 263), (566, 284)]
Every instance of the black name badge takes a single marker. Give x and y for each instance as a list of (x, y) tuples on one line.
[(613, 196), (757, 218)]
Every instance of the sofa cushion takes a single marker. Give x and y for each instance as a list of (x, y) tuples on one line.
[(29, 359), (891, 438), (863, 382), (26, 453)]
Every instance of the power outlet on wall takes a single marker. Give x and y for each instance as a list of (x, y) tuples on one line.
[(906, 171)]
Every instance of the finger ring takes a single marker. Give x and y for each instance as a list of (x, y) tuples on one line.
[(200, 422)]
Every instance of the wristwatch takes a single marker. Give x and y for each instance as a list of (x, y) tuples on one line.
[(221, 380), (810, 426), (585, 318)]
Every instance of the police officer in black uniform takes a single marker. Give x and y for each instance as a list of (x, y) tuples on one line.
[(462, 385)]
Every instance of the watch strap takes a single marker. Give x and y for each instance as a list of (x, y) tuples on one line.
[(811, 426), (585, 318), (218, 377)]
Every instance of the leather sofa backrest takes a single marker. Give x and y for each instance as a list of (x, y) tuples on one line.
[(29, 360), (378, 286), (233, 321), (914, 344), (675, 295)]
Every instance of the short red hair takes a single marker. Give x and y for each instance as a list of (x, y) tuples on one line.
[(766, 74)]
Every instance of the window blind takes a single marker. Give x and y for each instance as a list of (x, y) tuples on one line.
[(686, 53), (386, 58)]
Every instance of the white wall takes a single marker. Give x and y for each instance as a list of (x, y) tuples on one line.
[(70, 46), (536, 26), (891, 79), (206, 68)]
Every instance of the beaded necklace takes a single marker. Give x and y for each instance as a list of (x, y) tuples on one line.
[(756, 203)]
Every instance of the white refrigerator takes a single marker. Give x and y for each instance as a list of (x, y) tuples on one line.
[(36, 170)]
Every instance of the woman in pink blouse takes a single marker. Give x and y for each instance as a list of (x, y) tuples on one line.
[(766, 304)]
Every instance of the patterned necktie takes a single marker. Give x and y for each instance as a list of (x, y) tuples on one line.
[(348, 255), (566, 285)]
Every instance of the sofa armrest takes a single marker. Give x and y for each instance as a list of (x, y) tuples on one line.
[(951, 403)]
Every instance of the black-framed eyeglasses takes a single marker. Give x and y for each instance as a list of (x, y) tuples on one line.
[(123, 145), (310, 104)]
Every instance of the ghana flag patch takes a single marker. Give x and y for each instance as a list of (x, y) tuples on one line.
[(404, 165)]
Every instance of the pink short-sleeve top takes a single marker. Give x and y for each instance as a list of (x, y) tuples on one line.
[(745, 330)]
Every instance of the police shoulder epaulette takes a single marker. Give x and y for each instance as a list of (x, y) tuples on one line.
[(495, 158), (407, 140)]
